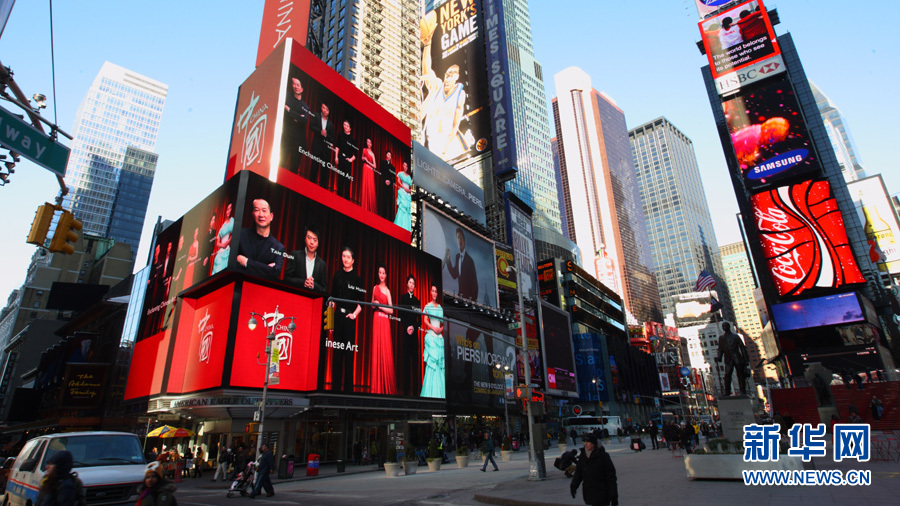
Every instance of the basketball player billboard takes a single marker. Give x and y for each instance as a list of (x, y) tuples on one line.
[(456, 118)]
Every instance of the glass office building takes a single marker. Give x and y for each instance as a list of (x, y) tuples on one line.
[(679, 225), (112, 156)]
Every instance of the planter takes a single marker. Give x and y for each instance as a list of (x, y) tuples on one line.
[(434, 464), (410, 467), (505, 455), (729, 467), (462, 461), (392, 469), (563, 447)]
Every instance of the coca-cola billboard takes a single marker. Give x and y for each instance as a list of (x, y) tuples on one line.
[(803, 238)]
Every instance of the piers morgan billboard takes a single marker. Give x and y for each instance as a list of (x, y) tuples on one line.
[(803, 238)]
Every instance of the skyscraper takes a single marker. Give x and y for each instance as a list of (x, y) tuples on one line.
[(839, 134), (112, 157), (535, 182), (601, 199), (682, 238), (374, 44)]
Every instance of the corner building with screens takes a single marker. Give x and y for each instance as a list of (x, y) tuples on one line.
[(682, 237)]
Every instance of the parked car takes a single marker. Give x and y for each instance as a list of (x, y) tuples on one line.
[(110, 464), (4, 472)]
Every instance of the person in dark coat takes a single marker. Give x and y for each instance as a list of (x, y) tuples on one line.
[(409, 339), (654, 431), (266, 464), (595, 468), (58, 486)]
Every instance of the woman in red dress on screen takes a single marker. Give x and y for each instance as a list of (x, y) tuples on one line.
[(382, 380), (368, 182)]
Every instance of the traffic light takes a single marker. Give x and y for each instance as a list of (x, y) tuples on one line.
[(41, 224), (329, 318), (65, 234)]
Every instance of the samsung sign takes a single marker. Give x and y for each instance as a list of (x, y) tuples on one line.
[(734, 81), (504, 145), (440, 178)]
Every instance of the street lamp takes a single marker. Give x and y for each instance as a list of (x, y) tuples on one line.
[(275, 318), (535, 472), (506, 374)]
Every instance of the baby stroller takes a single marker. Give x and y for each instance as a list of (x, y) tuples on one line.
[(244, 481)]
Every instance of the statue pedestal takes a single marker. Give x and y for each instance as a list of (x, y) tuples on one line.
[(735, 412)]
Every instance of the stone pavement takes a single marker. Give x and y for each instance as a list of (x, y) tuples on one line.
[(648, 477)]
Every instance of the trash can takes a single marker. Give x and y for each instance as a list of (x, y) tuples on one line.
[(312, 465), (286, 467), (341, 466)]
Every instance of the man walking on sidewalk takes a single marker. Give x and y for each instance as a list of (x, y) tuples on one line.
[(598, 473), (222, 463), (266, 464), (488, 449)]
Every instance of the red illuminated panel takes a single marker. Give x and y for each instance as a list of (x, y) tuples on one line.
[(256, 118), (281, 20), (299, 357), (803, 238), (148, 364), (201, 341)]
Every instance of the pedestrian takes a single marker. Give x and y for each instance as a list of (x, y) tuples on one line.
[(877, 408), (574, 435), (595, 468), (687, 437), (222, 463), (188, 462), (266, 464), (240, 462), (156, 491), (654, 432), (59, 487), (488, 450), (198, 461)]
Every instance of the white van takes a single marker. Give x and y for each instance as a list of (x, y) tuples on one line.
[(110, 464)]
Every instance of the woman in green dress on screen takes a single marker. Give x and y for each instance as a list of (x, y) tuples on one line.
[(404, 198), (433, 355)]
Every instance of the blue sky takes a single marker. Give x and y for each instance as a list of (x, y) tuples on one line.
[(642, 54)]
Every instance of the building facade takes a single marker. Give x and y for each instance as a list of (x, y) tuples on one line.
[(375, 46), (679, 225), (115, 131), (600, 196)]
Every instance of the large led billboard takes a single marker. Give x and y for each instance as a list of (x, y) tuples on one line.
[(473, 378), (498, 76), (362, 349), (768, 134), (558, 354), (440, 178), (738, 37), (589, 362), (521, 236), (468, 258), (282, 19), (293, 253), (837, 309), (320, 136), (801, 231), (877, 215), (186, 253), (456, 118)]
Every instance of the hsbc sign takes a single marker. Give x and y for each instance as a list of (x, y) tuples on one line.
[(732, 82)]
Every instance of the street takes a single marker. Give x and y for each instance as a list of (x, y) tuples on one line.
[(648, 477)]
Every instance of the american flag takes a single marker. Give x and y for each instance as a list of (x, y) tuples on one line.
[(704, 282)]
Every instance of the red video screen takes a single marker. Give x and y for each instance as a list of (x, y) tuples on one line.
[(738, 37)]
